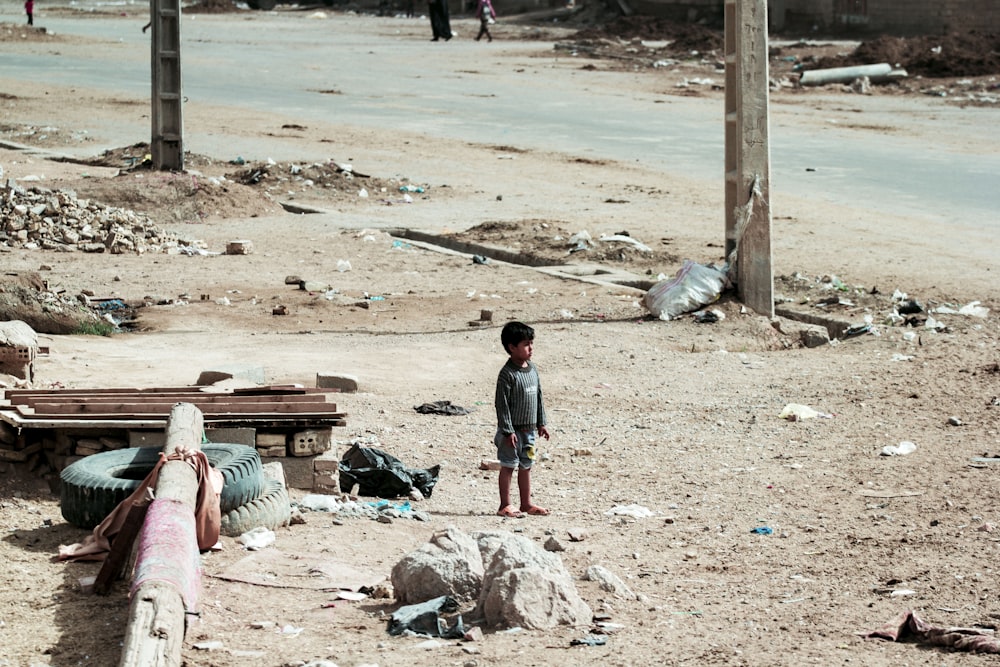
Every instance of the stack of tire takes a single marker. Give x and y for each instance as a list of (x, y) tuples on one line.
[(95, 485)]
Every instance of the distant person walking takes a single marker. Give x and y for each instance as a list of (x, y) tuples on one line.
[(440, 21), (486, 15), (29, 9)]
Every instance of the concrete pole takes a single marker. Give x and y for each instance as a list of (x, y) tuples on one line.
[(748, 154), (167, 143)]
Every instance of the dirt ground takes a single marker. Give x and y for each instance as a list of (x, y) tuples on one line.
[(678, 417)]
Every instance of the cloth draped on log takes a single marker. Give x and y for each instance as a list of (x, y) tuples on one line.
[(208, 514)]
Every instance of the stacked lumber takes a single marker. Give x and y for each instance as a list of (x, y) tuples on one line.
[(276, 406)]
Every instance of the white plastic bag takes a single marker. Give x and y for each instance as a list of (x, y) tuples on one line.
[(694, 286)]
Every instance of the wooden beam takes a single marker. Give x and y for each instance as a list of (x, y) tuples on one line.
[(167, 578), (228, 408), (171, 399)]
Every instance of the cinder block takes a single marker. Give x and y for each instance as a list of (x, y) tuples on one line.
[(326, 482), (235, 436), (327, 462), (271, 439), (298, 472), (307, 443), (272, 452), (339, 381)]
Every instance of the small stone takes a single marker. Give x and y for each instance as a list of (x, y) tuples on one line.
[(552, 544), (577, 534), (954, 421), (473, 634)]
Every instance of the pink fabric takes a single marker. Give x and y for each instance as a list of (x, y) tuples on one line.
[(208, 515), (164, 555), (907, 626)]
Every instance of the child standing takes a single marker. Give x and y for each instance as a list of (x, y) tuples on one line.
[(486, 15), (520, 414), (29, 9)]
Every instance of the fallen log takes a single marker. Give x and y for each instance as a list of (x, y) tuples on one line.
[(167, 574)]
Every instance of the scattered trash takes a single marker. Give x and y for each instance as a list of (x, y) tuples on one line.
[(762, 530), (411, 188), (796, 412), (257, 538), (633, 510), (858, 330), (902, 357), (972, 309), (695, 285), (441, 408), (590, 640), (709, 316), (382, 475), (902, 449), (425, 619), (954, 421), (625, 238), (343, 265), (480, 259)]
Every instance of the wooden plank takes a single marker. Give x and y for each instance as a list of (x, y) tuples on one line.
[(269, 390), (171, 399), (243, 407), (28, 414)]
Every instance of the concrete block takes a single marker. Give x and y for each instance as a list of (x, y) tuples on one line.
[(278, 451), (328, 461), (298, 472), (340, 381), (271, 439), (275, 471), (235, 436), (326, 482), (313, 441)]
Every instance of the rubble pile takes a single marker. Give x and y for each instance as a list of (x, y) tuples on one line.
[(36, 217)]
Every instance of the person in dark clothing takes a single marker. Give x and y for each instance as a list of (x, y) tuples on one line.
[(440, 21), (486, 15), (29, 9)]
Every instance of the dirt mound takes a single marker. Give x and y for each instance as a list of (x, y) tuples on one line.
[(684, 37), (551, 242), (211, 7), (968, 54)]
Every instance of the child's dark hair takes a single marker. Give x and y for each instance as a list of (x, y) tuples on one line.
[(515, 332)]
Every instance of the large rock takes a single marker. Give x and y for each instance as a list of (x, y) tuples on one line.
[(525, 586), (449, 564)]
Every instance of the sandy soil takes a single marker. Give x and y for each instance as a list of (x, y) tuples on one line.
[(678, 417)]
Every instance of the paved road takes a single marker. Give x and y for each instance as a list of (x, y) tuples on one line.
[(281, 63)]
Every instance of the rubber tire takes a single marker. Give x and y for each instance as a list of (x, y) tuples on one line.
[(94, 486), (271, 510)]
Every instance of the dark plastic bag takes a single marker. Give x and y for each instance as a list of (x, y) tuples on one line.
[(425, 619), (383, 475)]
